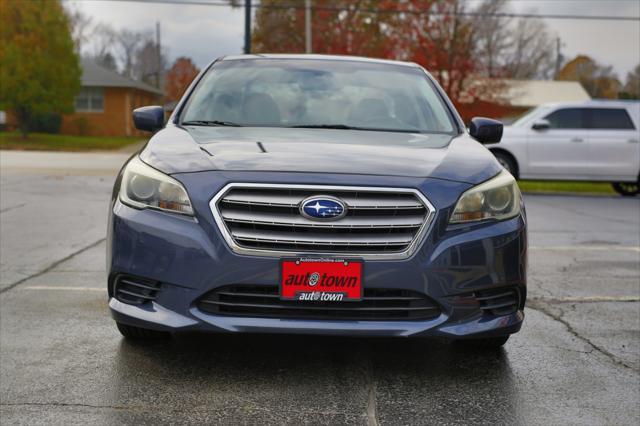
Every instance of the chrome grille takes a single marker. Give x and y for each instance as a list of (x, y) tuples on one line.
[(264, 219)]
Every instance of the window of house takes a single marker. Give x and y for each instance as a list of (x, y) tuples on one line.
[(90, 99)]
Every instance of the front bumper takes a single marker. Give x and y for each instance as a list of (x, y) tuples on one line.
[(190, 258)]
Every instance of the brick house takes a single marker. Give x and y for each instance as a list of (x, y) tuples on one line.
[(103, 106)]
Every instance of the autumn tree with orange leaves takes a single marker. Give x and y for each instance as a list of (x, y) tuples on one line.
[(442, 40), (340, 27), (598, 80), (178, 78)]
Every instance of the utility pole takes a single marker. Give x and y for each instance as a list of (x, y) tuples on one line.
[(558, 56), (247, 26), (307, 25), (158, 56)]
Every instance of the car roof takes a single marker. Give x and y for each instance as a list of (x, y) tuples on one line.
[(624, 103), (318, 57)]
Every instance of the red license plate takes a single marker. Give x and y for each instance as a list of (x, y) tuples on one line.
[(322, 280)]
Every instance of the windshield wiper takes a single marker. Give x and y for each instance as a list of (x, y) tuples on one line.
[(327, 126), (345, 127), (210, 123)]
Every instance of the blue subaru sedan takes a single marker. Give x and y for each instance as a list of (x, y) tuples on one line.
[(317, 195)]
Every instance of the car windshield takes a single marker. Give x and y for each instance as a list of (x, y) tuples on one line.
[(527, 116), (318, 94)]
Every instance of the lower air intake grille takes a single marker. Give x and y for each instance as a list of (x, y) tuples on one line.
[(499, 301), (134, 290), (264, 301)]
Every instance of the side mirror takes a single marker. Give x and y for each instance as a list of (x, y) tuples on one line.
[(149, 118), (541, 125), (485, 130)]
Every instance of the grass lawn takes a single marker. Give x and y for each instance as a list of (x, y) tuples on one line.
[(559, 186), (52, 142)]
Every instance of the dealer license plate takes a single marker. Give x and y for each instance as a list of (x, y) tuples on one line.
[(322, 280)]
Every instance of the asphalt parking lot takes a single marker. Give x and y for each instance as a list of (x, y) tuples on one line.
[(576, 361)]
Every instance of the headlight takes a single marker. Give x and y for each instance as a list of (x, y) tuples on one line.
[(145, 187), (497, 199)]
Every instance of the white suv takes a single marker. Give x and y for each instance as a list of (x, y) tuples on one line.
[(593, 141)]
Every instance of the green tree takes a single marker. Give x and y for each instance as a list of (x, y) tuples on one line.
[(39, 70), (631, 88)]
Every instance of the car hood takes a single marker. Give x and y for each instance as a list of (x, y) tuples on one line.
[(514, 131), (194, 149)]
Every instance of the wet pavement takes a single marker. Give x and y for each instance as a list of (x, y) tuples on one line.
[(62, 361)]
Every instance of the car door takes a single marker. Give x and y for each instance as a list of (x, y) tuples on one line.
[(561, 149), (614, 144)]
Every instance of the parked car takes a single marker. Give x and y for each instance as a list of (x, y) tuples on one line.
[(588, 141), (317, 195)]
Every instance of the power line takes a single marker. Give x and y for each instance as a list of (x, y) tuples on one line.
[(394, 10)]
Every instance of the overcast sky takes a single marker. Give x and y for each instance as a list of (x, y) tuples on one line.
[(206, 32)]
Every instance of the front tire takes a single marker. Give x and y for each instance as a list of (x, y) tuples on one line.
[(136, 333), (627, 189), (507, 162)]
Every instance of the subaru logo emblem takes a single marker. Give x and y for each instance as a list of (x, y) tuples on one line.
[(323, 207)]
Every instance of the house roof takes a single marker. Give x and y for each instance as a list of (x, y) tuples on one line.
[(93, 75), (531, 93)]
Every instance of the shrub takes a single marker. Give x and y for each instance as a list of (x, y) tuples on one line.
[(45, 123), (82, 125)]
